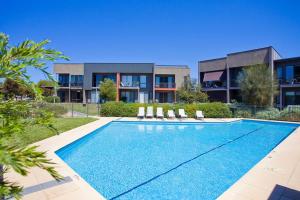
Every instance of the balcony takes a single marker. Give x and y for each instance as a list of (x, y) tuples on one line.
[(294, 82), (165, 85), (130, 85), (77, 84), (63, 84), (214, 85)]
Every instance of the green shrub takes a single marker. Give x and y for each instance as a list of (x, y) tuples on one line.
[(290, 115), (52, 99), (243, 114), (271, 113), (215, 110), (121, 109)]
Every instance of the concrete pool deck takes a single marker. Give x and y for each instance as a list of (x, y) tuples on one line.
[(277, 176)]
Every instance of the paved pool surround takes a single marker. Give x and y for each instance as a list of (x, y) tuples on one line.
[(276, 176)]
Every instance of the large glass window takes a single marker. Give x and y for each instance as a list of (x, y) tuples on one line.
[(297, 74), (164, 97), (292, 98), (77, 80), (63, 80), (279, 74), (135, 81), (98, 78), (130, 81), (289, 74), (129, 96), (143, 81), (126, 81), (143, 97), (165, 81), (235, 74)]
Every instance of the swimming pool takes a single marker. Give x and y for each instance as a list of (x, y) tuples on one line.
[(162, 160)]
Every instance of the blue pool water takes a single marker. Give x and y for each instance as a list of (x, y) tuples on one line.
[(159, 160)]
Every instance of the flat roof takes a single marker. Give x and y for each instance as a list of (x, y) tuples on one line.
[(173, 66), (238, 52), (251, 50), (222, 58), (105, 63), (287, 59)]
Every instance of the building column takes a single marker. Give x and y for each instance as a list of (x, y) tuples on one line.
[(174, 96), (69, 87), (280, 98), (69, 95), (271, 65), (153, 86), (118, 87), (83, 96), (228, 84)]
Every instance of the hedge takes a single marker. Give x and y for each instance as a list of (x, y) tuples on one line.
[(121, 109)]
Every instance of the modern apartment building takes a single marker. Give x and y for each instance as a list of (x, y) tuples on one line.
[(135, 82), (288, 74), (219, 77)]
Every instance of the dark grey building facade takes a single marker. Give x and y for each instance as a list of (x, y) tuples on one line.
[(288, 75), (219, 77)]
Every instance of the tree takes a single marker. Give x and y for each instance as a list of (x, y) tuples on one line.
[(47, 87), (190, 92), (258, 85), (108, 90), (14, 116), (13, 89)]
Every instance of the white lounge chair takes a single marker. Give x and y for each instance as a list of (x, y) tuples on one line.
[(141, 113), (181, 113), (159, 112), (171, 114), (199, 114), (149, 112)]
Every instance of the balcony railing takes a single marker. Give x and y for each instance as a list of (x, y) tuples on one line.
[(63, 84), (292, 81), (165, 85), (214, 85), (77, 84), (129, 84)]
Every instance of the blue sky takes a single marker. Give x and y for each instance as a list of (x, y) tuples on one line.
[(160, 31)]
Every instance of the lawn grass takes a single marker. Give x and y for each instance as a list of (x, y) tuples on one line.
[(36, 133)]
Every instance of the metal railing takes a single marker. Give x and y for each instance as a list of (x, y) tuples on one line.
[(76, 109), (63, 84), (129, 84), (165, 85), (76, 84), (290, 113)]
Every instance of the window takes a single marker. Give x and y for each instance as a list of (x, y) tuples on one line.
[(129, 96), (279, 74), (98, 78), (127, 81), (171, 82), (143, 97), (289, 74), (165, 81), (143, 81), (235, 74), (297, 74), (135, 81), (292, 98), (63, 80), (76, 80)]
